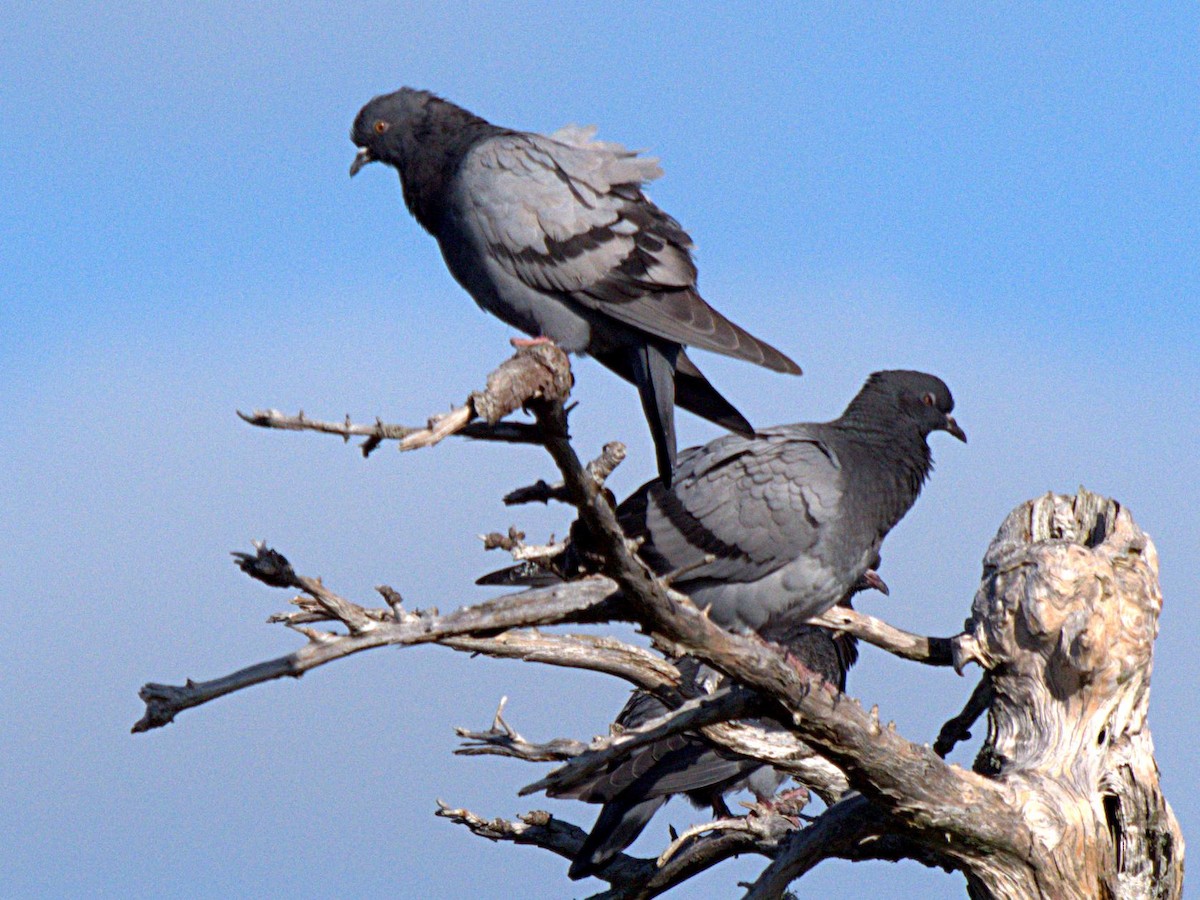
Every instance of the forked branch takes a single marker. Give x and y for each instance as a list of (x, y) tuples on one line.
[(1064, 623)]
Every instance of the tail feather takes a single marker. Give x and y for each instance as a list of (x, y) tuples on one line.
[(617, 826), (523, 574), (692, 391), (696, 394), (653, 367)]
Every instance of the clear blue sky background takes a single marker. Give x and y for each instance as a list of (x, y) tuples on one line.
[(1006, 198)]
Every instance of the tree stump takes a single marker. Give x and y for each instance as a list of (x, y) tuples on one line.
[(1064, 621)]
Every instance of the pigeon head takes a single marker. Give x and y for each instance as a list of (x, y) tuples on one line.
[(384, 128), (905, 397), (424, 138)]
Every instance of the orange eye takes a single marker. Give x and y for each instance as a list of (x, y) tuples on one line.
[(927, 399), (381, 126)]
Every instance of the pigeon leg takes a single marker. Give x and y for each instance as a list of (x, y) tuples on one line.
[(530, 342), (787, 804)]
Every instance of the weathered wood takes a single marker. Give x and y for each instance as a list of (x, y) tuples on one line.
[(1064, 800), (1065, 621)]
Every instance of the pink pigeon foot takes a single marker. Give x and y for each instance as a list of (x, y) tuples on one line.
[(530, 342)]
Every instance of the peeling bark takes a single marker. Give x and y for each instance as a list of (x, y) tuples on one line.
[(1065, 621)]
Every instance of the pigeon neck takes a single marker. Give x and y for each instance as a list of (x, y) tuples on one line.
[(901, 459), (431, 155)]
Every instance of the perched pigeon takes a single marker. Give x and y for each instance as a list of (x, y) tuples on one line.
[(633, 789), (794, 516), (553, 235)]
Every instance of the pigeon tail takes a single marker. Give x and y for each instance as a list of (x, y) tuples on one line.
[(695, 394), (653, 367), (693, 391), (619, 824), (523, 574)]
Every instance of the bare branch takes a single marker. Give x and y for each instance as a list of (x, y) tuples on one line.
[(537, 827), (540, 370), (585, 600), (503, 740), (514, 543), (266, 565), (538, 492), (932, 651), (766, 822), (832, 834), (629, 876), (611, 456), (596, 653)]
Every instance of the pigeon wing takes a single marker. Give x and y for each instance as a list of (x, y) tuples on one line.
[(754, 505), (567, 216)]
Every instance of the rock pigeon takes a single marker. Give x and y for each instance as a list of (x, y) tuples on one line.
[(634, 788), (552, 234), (792, 517)]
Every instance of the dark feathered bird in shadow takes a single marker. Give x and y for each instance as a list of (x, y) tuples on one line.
[(552, 234), (634, 788)]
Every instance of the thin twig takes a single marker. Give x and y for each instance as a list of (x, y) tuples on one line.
[(611, 456), (589, 599), (536, 371)]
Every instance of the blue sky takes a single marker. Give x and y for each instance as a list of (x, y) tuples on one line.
[(1007, 199)]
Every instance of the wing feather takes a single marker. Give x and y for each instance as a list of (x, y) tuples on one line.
[(566, 215), (754, 505)]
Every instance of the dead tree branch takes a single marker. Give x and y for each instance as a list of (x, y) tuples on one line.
[(629, 877), (599, 468), (932, 651), (539, 370), (959, 728), (588, 600), (1064, 798)]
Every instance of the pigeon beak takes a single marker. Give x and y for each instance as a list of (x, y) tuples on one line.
[(361, 159), (871, 577), (953, 428)]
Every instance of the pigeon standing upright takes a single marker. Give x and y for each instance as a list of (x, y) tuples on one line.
[(771, 530), (764, 533), (552, 234)]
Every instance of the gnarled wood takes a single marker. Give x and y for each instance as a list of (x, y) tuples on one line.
[(1065, 621), (1064, 800)]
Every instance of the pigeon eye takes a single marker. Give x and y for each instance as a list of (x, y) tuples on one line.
[(928, 400), (381, 126)]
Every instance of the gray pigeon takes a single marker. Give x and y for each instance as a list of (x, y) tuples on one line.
[(794, 516), (633, 789), (553, 235)]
